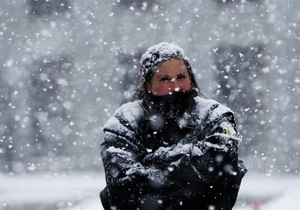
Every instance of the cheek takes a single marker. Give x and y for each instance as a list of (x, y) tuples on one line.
[(160, 88), (185, 85)]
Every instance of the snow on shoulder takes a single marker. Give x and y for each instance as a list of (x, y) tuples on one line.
[(131, 112), (211, 107)]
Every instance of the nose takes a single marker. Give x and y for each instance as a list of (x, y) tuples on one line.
[(174, 86)]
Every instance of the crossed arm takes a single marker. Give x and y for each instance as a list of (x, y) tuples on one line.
[(197, 163)]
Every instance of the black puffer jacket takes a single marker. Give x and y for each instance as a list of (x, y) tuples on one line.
[(157, 163)]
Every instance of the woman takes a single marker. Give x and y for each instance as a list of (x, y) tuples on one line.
[(171, 148)]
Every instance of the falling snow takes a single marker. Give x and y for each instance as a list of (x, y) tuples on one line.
[(67, 65)]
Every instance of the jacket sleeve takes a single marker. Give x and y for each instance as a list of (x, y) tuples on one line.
[(127, 178), (220, 140)]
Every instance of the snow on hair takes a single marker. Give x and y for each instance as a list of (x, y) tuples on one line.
[(158, 53)]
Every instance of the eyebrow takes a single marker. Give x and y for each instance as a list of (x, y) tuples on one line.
[(170, 75), (165, 75)]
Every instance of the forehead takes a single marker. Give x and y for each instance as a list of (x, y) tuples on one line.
[(171, 66)]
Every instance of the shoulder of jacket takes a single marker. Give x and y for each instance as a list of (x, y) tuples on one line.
[(127, 114), (210, 108), (132, 108)]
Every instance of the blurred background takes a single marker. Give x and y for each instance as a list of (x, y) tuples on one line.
[(66, 65)]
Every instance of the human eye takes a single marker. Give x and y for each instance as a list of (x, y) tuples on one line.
[(165, 78), (181, 76)]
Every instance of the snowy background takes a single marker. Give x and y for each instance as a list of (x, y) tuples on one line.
[(66, 65)]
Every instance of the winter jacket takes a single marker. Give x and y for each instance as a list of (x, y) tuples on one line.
[(156, 163)]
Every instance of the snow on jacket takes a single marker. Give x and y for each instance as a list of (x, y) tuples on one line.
[(189, 163)]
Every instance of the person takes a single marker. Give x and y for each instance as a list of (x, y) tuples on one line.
[(170, 148)]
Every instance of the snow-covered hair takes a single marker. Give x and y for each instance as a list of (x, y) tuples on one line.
[(158, 53), (154, 56)]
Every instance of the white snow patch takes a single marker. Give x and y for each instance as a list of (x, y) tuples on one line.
[(74, 190), (113, 149)]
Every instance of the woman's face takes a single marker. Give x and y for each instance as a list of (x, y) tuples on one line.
[(171, 76)]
